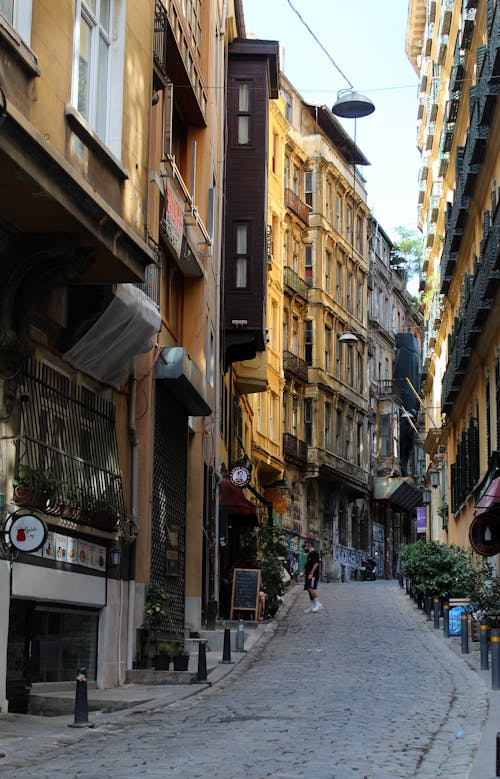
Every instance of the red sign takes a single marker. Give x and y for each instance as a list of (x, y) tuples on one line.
[(484, 534)]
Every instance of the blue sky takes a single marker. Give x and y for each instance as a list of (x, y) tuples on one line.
[(366, 40)]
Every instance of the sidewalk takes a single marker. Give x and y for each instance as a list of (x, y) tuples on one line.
[(107, 708)]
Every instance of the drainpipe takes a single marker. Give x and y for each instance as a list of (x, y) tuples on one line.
[(219, 257), (134, 485)]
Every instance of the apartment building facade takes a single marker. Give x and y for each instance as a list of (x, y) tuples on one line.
[(454, 48)]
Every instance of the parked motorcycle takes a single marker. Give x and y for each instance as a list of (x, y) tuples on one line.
[(369, 569)]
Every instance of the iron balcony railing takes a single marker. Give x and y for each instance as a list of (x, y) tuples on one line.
[(67, 452), (295, 204), (293, 280), (294, 448), (160, 38), (295, 365)]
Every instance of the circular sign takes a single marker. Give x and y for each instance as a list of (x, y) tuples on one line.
[(484, 534), (26, 532), (239, 476)]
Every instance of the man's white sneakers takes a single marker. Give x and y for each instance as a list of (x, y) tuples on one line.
[(317, 608), (308, 611)]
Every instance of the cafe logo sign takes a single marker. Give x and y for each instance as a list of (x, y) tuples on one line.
[(26, 532)]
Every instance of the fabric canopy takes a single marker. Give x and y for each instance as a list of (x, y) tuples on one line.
[(127, 328), (234, 501), (490, 501)]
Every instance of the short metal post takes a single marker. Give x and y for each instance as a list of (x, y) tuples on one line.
[(495, 658), (464, 632), (226, 654), (446, 620), (201, 676), (497, 770), (428, 607), (436, 602), (407, 586), (240, 637), (81, 702), (483, 644)]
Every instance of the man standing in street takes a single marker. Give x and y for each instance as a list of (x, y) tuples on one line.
[(311, 576)]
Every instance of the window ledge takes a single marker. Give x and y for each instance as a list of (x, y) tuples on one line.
[(27, 58), (84, 131)]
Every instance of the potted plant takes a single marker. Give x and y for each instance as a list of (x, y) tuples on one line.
[(158, 617), (180, 656), (164, 650), (71, 503), (35, 487)]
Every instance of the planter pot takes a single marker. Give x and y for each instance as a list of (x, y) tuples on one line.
[(181, 662), (27, 496), (161, 662)]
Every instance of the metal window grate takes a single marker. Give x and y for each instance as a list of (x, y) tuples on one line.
[(68, 442)]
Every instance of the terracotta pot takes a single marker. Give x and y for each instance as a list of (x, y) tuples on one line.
[(27, 496)]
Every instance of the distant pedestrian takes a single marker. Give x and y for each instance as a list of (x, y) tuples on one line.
[(311, 576)]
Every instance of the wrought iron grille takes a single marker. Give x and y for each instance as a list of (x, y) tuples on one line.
[(169, 505), (67, 448)]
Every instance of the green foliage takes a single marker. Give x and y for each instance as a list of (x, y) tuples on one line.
[(272, 548), (157, 613), (437, 569), (44, 482), (408, 252)]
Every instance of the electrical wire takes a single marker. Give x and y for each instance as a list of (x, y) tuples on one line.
[(319, 43)]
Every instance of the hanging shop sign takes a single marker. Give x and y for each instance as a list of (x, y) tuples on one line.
[(26, 532), (239, 476), (484, 534)]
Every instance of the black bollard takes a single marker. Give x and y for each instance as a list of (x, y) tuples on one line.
[(446, 620), (436, 603), (495, 658), (428, 607), (81, 702), (497, 768), (226, 654), (483, 644), (201, 676), (464, 632)]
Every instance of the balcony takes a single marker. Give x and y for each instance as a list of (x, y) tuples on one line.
[(293, 280), (160, 45), (68, 451), (294, 449), (295, 204), (295, 365)]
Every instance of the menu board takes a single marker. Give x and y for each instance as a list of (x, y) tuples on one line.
[(75, 551), (246, 588)]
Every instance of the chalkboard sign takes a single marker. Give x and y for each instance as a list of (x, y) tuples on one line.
[(246, 588)]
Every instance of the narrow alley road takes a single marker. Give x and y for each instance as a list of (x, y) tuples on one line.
[(364, 689)]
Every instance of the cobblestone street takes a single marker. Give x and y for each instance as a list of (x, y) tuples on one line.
[(364, 689)]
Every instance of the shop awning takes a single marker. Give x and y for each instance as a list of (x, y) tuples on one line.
[(184, 380), (127, 327), (235, 502), (490, 500), (401, 491)]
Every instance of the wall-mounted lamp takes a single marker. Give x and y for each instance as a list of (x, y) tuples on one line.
[(426, 497), (434, 478), (348, 338), (115, 555), (352, 105)]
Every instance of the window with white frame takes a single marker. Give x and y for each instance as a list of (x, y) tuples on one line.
[(98, 63), (243, 116), (241, 257), (18, 14)]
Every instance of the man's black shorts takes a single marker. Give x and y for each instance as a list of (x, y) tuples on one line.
[(311, 584)]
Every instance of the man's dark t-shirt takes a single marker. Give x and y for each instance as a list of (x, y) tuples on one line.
[(312, 558)]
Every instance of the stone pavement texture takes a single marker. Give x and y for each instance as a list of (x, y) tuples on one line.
[(365, 689)]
